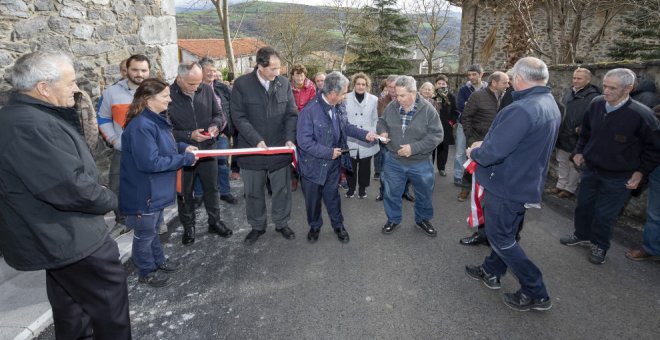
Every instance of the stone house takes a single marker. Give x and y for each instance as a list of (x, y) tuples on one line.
[(486, 24), (98, 34), (245, 51)]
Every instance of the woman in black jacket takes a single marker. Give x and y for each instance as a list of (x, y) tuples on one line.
[(446, 107)]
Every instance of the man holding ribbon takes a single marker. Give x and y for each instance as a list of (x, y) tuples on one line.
[(321, 134), (264, 113)]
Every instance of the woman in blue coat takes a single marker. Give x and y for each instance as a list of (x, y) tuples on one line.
[(149, 161)]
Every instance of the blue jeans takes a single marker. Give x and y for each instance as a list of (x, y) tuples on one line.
[(503, 219), (147, 251), (460, 156), (599, 201), (223, 171), (395, 176), (652, 226), (378, 159)]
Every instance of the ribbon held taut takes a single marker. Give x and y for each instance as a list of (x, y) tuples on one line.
[(277, 150)]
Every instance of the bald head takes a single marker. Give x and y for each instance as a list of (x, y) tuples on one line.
[(498, 82), (189, 76)]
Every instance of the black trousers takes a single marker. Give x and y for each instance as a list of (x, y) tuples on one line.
[(327, 193), (441, 154), (89, 298), (207, 170), (361, 174)]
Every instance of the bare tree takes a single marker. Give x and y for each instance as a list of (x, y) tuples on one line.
[(222, 9), (430, 23), (346, 15), (564, 20), (295, 34)]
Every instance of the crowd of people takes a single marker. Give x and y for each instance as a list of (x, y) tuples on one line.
[(607, 148)]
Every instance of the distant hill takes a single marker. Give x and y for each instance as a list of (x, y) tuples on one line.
[(203, 23)]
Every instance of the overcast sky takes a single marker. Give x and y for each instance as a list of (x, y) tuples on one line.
[(184, 3)]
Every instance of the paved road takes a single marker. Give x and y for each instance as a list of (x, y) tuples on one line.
[(400, 286)]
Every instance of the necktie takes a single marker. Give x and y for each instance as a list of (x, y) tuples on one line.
[(335, 123)]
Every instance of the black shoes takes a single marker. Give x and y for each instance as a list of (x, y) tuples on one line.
[(253, 236), (478, 273), (408, 197), (169, 266), (572, 240), (474, 240), (597, 255), (427, 228), (188, 235), (389, 227), (342, 235), (155, 279), (522, 303), (229, 198), (379, 197), (286, 232), (313, 235), (221, 229)]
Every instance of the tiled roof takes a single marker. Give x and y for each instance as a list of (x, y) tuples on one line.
[(215, 48)]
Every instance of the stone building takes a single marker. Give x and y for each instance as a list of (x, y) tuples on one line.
[(486, 24), (98, 34)]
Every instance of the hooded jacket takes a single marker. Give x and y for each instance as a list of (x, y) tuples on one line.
[(645, 92), (51, 200)]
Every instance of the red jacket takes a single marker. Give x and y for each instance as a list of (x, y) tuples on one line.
[(305, 94)]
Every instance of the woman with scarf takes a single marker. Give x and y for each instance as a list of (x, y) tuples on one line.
[(445, 104)]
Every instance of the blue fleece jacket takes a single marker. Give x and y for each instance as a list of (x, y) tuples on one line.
[(149, 160), (513, 159)]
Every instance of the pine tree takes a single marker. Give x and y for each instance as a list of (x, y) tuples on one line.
[(382, 39), (640, 39)]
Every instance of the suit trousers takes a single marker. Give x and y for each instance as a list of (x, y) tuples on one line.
[(327, 193), (113, 181), (89, 298), (255, 196), (207, 170)]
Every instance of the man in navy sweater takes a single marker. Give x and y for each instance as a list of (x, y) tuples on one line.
[(619, 144), (512, 166)]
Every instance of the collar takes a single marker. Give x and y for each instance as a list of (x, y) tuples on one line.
[(263, 81), (517, 95)]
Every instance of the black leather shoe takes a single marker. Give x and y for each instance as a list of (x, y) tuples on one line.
[(427, 228), (286, 232), (522, 303), (221, 229), (253, 236), (389, 227), (188, 235), (169, 266), (478, 273), (229, 198), (313, 235), (408, 197), (342, 235), (474, 240), (379, 197)]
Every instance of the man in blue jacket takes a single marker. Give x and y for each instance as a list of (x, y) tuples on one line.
[(512, 166), (321, 134)]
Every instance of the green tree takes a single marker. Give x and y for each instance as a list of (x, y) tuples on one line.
[(640, 39), (382, 40)]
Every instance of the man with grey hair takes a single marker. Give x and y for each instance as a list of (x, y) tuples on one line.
[(619, 144), (196, 120), (512, 163), (322, 133), (414, 128), (51, 217)]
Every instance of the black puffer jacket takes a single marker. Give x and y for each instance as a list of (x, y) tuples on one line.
[(260, 116), (51, 201), (187, 114), (645, 92), (575, 106)]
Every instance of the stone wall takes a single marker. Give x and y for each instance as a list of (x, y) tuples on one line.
[(98, 34), (489, 17)]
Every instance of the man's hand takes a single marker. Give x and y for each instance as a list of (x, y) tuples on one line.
[(336, 152), (474, 145), (371, 136), (197, 136), (634, 180), (191, 148), (213, 131), (384, 138), (578, 160), (405, 151), (289, 144), (262, 145)]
